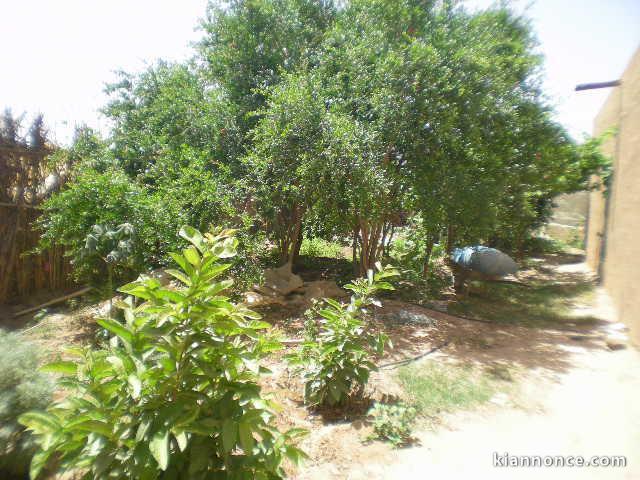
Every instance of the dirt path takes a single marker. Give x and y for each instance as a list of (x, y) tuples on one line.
[(593, 409), (574, 397)]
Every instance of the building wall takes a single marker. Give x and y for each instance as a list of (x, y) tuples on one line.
[(613, 239), (568, 219)]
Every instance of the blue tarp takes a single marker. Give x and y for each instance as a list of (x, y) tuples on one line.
[(485, 260)]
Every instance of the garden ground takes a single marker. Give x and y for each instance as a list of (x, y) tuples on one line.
[(524, 370)]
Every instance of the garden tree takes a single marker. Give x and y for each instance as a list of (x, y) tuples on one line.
[(94, 196), (288, 160), (353, 70), (10, 128), (98, 198), (451, 96), (468, 71), (556, 165), (162, 111), (248, 44)]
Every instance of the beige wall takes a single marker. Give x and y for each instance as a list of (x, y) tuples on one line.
[(614, 229), (568, 219)]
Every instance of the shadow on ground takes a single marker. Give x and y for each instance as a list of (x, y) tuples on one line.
[(534, 327)]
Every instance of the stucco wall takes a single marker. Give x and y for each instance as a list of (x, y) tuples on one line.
[(613, 240), (568, 219)]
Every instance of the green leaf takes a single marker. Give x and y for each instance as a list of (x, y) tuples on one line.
[(39, 460), (67, 368), (117, 329), (182, 440), (94, 426), (136, 289), (192, 255), (193, 236), (179, 275), (246, 437), (184, 264), (159, 448), (229, 434), (39, 422), (296, 455), (135, 384)]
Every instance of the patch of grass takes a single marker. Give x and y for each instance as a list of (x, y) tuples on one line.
[(319, 247), (541, 305), (434, 388)]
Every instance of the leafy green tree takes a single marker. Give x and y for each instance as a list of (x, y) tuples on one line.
[(165, 109), (176, 395), (94, 198), (289, 160), (249, 43)]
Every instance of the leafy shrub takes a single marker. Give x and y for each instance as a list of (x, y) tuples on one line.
[(110, 248), (319, 247), (336, 356), (22, 388), (181, 195), (176, 394), (392, 422), (96, 198)]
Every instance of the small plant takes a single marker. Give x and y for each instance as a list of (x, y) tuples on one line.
[(22, 388), (336, 357), (113, 246), (176, 393), (392, 422)]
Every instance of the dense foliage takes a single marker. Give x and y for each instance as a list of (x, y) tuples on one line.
[(331, 119), (176, 395), (22, 388), (336, 358)]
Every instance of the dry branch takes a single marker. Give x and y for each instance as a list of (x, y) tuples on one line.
[(53, 302)]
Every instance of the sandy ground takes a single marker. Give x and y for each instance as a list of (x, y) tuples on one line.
[(577, 397), (593, 409)]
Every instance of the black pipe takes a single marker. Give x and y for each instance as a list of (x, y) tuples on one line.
[(593, 86)]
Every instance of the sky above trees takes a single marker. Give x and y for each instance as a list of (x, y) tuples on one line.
[(60, 54)]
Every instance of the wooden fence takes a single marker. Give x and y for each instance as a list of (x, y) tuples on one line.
[(22, 187)]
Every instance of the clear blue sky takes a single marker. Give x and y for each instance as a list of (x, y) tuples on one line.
[(57, 55)]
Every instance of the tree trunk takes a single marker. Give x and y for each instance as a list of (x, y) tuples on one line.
[(427, 255), (354, 251), (298, 244), (450, 238), (294, 239), (370, 235)]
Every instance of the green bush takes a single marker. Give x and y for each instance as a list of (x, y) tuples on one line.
[(176, 394), (336, 357), (97, 198), (184, 195), (392, 422), (319, 247), (22, 388)]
